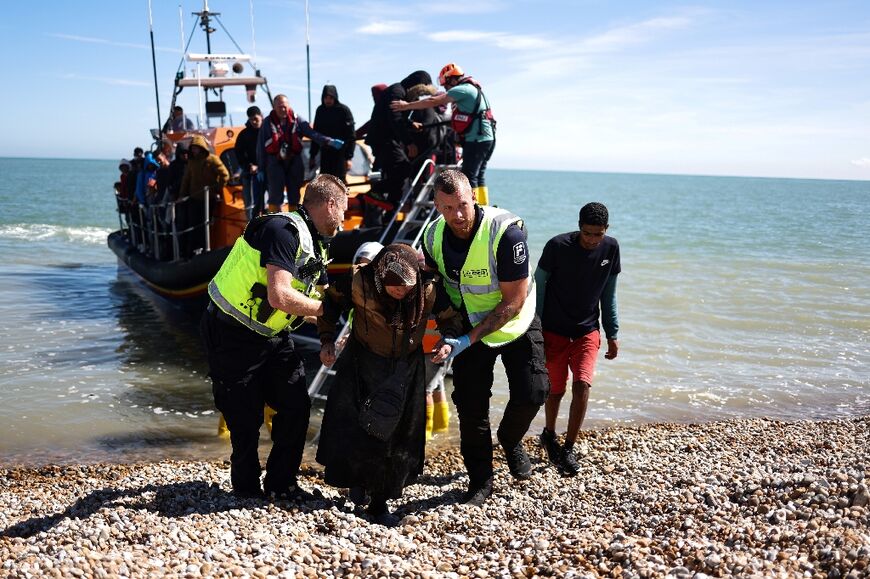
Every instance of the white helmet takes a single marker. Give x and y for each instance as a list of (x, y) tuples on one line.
[(367, 250)]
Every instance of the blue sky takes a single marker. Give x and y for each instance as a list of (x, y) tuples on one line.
[(763, 88)]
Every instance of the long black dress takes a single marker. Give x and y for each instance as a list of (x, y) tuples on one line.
[(351, 456)]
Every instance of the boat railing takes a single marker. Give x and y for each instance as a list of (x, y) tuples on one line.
[(147, 227)]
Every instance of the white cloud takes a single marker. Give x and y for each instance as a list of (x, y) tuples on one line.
[(862, 162), (499, 39), (640, 32), (388, 27), (93, 40), (460, 7)]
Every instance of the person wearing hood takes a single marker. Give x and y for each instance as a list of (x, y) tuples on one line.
[(363, 131), (279, 148), (333, 119), (204, 170), (390, 135), (246, 154)]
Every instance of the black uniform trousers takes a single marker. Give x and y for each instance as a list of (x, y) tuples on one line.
[(247, 371), (528, 385)]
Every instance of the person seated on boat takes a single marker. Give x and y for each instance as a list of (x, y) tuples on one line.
[(391, 302), (121, 184), (178, 122), (278, 152), (246, 155), (472, 121), (333, 119), (273, 277), (389, 135), (204, 171)]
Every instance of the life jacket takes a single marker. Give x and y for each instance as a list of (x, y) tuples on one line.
[(280, 136), (462, 121), (238, 289), (477, 286)]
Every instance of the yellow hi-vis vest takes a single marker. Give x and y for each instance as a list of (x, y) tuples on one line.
[(233, 288), (477, 285)]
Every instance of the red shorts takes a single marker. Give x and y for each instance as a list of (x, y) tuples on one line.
[(578, 354)]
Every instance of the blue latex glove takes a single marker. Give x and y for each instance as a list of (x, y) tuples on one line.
[(458, 344), (336, 144), (261, 176)]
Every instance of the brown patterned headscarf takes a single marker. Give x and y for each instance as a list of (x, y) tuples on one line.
[(397, 264)]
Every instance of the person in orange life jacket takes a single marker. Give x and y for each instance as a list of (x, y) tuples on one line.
[(507, 328), (249, 369), (576, 285), (472, 122), (333, 119), (279, 148)]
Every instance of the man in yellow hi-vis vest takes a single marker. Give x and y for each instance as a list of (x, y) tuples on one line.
[(482, 257), (270, 281)]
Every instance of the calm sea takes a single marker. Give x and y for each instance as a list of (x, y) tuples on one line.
[(738, 297)]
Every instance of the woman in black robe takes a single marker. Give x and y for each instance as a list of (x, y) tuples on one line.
[(391, 303)]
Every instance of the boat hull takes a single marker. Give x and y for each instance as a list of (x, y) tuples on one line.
[(182, 280)]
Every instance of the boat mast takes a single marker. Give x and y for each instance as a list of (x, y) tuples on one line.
[(154, 67), (205, 24), (308, 61)]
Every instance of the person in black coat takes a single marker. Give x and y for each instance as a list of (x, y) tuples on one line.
[(333, 119), (389, 135), (246, 155)]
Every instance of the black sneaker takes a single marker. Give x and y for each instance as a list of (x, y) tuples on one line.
[(518, 462), (477, 494), (568, 462), (551, 445)]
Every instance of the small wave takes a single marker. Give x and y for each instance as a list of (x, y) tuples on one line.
[(41, 231)]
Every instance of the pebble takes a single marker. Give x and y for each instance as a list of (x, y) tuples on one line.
[(748, 497)]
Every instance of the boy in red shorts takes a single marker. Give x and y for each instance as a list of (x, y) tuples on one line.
[(576, 285)]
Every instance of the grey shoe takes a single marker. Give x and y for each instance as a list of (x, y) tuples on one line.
[(518, 462), (551, 445)]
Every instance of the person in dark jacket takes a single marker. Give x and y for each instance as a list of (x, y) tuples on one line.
[(389, 135), (246, 155), (333, 119), (363, 131)]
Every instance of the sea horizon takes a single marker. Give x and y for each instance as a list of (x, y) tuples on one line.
[(497, 167)]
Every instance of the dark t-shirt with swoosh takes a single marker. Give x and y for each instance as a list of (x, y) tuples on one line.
[(576, 282)]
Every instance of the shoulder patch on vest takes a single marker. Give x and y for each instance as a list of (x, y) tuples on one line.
[(520, 253)]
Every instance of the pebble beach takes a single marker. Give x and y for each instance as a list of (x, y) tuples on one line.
[(748, 497)]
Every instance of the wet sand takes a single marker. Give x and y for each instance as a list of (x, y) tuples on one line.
[(747, 497)]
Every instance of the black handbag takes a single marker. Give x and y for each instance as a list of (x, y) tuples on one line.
[(381, 411)]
